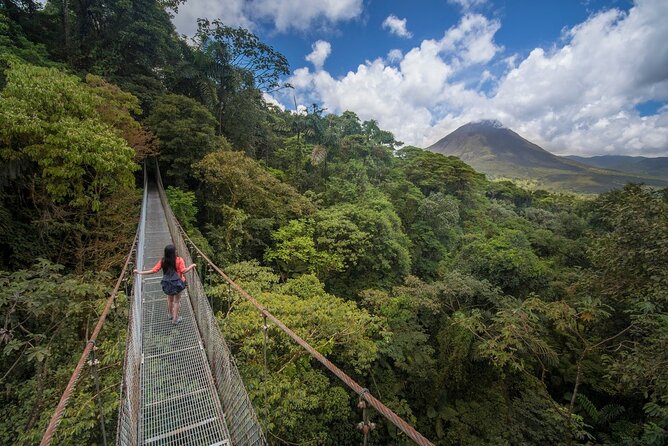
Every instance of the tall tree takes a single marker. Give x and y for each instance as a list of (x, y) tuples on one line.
[(64, 158), (244, 204), (241, 67), (186, 133), (630, 257)]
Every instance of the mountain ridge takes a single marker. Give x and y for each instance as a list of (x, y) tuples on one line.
[(498, 151), (656, 167)]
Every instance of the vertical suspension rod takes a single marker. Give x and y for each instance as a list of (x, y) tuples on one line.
[(93, 365)]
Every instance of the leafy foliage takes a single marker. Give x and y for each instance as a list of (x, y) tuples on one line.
[(235, 186), (482, 312), (299, 399), (295, 251), (186, 132), (14, 41), (65, 157), (44, 312)]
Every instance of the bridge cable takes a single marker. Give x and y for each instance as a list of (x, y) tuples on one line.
[(362, 392), (60, 409)]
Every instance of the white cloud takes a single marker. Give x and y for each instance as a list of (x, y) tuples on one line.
[(230, 12), (303, 14), (582, 97), (511, 61), (467, 5), (397, 26), (282, 15), (395, 55), (269, 99), (402, 98), (321, 50), (578, 97), (473, 39)]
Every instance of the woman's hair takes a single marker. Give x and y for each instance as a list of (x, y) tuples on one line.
[(169, 260)]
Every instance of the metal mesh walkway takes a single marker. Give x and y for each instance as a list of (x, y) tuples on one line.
[(178, 389), (179, 401)]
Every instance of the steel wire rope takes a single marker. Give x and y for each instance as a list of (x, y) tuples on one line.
[(362, 392), (385, 411), (128, 392), (60, 408), (248, 429)]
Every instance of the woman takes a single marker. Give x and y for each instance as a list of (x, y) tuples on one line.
[(173, 280)]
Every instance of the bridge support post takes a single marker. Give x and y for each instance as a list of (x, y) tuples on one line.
[(365, 426), (93, 362)]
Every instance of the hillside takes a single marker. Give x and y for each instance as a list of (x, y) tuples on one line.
[(499, 152), (638, 165)]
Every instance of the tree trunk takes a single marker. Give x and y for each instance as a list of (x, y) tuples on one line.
[(37, 405), (578, 377), (65, 23)]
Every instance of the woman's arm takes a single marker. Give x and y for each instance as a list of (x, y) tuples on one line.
[(148, 271), (181, 265), (155, 269)]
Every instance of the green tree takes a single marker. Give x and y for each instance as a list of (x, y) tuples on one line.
[(186, 133), (62, 156), (371, 130), (183, 204), (368, 238), (295, 251), (129, 43), (433, 232), (244, 204), (14, 41), (304, 403), (241, 67), (630, 257), (433, 172), (119, 109), (45, 312), (345, 125), (50, 118), (507, 261)]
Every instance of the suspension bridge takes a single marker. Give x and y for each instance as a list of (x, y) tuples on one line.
[(181, 385)]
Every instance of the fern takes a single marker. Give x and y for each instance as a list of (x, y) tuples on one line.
[(605, 415), (654, 410), (654, 435), (588, 407), (610, 412)]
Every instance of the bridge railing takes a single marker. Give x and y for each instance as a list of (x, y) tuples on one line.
[(88, 355), (242, 422), (128, 420), (215, 350)]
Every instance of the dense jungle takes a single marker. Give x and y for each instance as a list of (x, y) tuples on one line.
[(481, 312)]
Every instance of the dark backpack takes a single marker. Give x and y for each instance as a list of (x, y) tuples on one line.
[(172, 284)]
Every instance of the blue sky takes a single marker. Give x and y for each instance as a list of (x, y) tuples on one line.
[(583, 77), (527, 24)]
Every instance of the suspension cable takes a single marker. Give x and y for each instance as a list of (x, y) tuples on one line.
[(361, 391), (58, 413)]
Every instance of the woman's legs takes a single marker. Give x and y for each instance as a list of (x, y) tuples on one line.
[(176, 306), (170, 304)]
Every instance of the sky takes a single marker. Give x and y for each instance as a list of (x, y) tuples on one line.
[(579, 77)]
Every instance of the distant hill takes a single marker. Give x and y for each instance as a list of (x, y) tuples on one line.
[(499, 152), (639, 165)]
